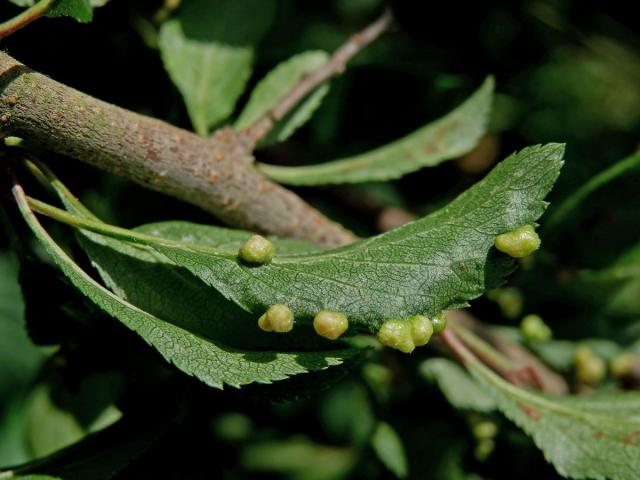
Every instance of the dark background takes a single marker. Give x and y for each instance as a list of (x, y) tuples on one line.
[(566, 71)]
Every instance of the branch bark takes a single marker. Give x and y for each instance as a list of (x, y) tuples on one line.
[(215, 174)]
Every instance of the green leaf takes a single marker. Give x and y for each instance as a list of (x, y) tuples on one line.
[(20, 360), (212, 363), (389, 448), (147, 279), (449, 137), (81, 10), (458, 387), (278, 83), (438, 262), (583, 436), (208, 50), (627, 165)]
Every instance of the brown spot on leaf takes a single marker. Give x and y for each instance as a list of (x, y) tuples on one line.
[(531, 412), (631, 438)]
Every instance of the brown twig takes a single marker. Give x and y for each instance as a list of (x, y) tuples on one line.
[(25, 18), (527, 367), (334, 66), (215, 174)]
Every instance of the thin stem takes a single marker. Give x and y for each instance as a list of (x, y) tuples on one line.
[(483, 349), (451, 340), (112, 231), (334, 66), (25, 18), (45, 176)]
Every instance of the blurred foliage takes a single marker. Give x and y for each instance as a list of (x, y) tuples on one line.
[(565, 71)]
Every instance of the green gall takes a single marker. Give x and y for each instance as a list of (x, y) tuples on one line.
[(510, 301), (533, 329), (264, 324), (421, 330), (590, 368), (518, 243), (485, 429), (257, 250), (397, 334), (278, 318), (330, 324), (624, 364), (439, 322), (13, 141), (484, 449)]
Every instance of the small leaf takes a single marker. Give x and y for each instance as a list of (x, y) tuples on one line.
[(274, 86), (435, 263), (583, 436), (208, 50), (457, 386), (389, 448), (81, 10), (449, 137), (212, 363)]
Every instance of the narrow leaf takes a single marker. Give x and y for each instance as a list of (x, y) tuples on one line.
[(276, 85), (449, 137), (208, 50), (587, 436), (212, 363), (458, 387), (438, 262), (389, 448)]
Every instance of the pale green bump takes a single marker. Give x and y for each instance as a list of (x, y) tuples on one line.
[(590, 368), (624, 364), (421, 330), (397, 334), (533, 329), (257, 250), (13, 141), (263, 323), (278, 318), (439, 322), (330, 324), (518, 243)]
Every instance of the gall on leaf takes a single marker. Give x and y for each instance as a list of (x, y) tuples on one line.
[(330, 324), (518, 243), (278, 318), (257, 250)]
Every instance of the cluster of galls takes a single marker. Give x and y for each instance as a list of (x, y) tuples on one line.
[(405, 335)]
